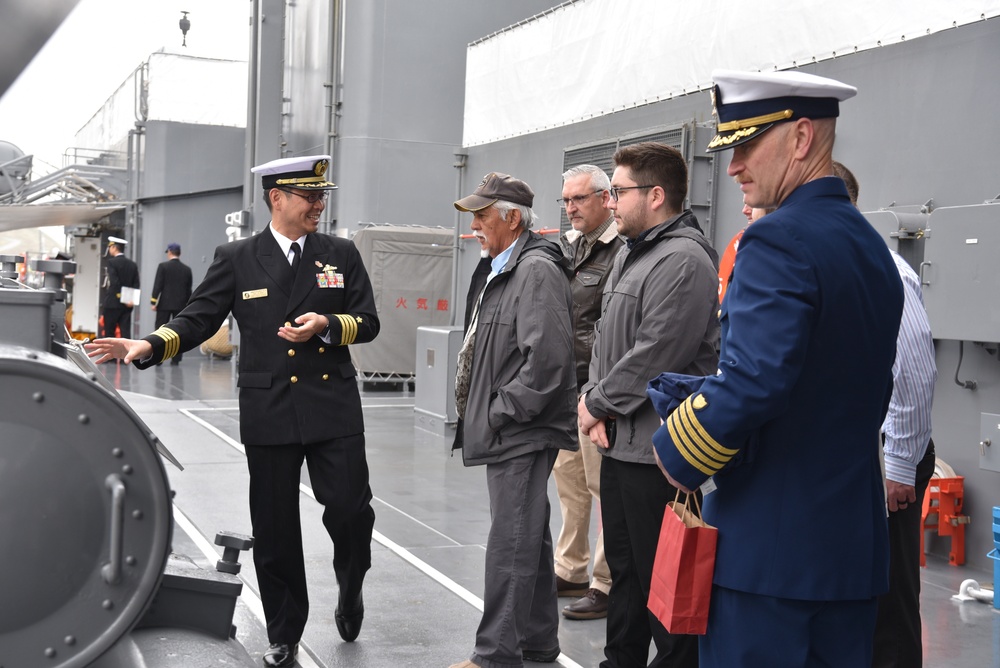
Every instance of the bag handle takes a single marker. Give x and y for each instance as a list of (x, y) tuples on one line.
[(687, 502)]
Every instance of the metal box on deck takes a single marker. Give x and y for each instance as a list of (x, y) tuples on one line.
[(436, 364), (24, 318)]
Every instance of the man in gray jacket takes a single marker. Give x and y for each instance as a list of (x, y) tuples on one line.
[(659, 314), (516, 392)]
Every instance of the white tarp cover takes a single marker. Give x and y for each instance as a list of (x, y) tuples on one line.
[(589, 58)]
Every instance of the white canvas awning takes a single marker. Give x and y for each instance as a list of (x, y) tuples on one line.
[(590, 58), (16, 217)]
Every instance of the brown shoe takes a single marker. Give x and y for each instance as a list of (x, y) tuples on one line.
[(594, 605), (573, 589)]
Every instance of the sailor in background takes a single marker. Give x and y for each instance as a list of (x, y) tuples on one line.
[(120, 272), (171, 289), (300, 299), (788, 427)]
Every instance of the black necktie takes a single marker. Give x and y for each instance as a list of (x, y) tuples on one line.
[(296, 256)]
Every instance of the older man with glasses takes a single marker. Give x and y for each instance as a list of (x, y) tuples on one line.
[(590, 246), (660, 306)]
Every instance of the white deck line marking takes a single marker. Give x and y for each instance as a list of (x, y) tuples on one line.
[(416, 521), (401, 552), (221, 434)]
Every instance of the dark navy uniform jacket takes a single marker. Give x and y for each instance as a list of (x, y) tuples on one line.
[(122, 273), (790, 425), (289, 392), (172, 286)]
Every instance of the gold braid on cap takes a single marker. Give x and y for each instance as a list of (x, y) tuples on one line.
[(719, 140), (756, 120), (301, 179)]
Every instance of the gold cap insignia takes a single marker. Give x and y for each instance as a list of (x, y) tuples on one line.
[(320, 168)]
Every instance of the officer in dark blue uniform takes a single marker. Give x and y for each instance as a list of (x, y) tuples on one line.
[(300, 299), (787, 431)]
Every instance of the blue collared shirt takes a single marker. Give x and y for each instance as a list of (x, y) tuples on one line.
[(500, 261), (907, 425)]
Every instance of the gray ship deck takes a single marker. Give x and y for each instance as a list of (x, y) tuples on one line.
[(422, 595)]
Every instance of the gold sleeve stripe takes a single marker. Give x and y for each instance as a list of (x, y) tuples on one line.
[(171, 341), (684, 446), (712, 447), (693, 441), (343, 329), (348, 329), (696, 447)]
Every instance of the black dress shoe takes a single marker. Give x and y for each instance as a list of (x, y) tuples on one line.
[(349, 618), (280, 654)]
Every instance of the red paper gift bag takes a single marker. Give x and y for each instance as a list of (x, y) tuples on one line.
[(681, 587)]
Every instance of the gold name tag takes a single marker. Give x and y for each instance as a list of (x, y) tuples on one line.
[(255, 294)]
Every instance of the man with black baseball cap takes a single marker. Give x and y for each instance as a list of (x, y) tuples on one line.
[(787, 429), (515, 392)]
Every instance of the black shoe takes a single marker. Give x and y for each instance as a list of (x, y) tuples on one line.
[(349, 619), (592, 606), (541, 655), (280, 654)]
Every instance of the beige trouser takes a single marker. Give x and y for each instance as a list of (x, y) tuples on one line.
[(578, 480)]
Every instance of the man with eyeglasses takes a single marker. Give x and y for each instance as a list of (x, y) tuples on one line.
[(659, 314), (590, 247), (300, 299), (787, 429)]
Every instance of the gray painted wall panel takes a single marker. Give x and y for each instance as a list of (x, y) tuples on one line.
[(181, 158), (404, 80), (193, 178)]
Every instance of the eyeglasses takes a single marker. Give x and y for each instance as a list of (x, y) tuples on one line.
[(578, 199), (615, 191), (312, 198)]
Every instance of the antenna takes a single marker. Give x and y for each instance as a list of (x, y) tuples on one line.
[(185, 25)]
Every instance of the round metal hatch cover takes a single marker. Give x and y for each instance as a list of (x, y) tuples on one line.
[(85, 516)]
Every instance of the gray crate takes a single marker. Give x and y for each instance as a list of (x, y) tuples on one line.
[(24, 318)]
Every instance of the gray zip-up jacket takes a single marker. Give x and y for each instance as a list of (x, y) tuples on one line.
[(659, 313), (522, 391)]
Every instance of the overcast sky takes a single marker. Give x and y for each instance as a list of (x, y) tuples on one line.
[(96, 48)]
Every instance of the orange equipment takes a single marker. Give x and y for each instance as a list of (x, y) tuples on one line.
[(944, 500)]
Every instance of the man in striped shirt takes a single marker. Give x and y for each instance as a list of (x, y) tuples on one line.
[(909, 464)]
